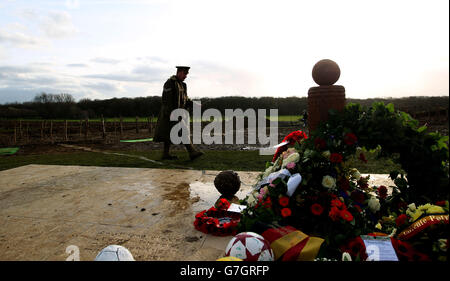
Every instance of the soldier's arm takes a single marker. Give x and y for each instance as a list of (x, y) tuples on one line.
[(189, 103), (168, 97)]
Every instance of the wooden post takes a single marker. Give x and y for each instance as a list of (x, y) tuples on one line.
[(28, 128), (51, 131), (115, 129), (81, 126), (65, 131), (42, 130), (103, 128), (137, 126), (86, 129), (121, 126), (20, 129)]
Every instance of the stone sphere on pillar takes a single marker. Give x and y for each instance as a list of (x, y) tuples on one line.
[(326, 72)]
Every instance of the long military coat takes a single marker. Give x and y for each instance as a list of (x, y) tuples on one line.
[(174, 96)]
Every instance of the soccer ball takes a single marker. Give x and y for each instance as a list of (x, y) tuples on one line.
[(249, 246), (114, 253)]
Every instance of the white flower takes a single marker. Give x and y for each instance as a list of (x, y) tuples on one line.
[(326, 154), (251, 200), (294, 157), (355, 174), (412, 207), (346, 257), (328, 182), (374, 204), (268, 171)]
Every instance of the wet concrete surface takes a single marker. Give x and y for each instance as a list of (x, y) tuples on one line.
[(46, 208)]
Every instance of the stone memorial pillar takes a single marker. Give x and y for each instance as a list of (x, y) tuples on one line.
[(327, 96)]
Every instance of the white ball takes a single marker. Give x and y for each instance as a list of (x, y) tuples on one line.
[(114, 253), (249, 246)]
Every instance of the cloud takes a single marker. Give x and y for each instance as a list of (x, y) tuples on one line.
[(72, 4), (105, 60), (140, 73), (76, 65), (58, 24), (19, 39), (102, 87)]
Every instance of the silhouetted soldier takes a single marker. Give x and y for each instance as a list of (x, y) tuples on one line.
[(174, 96)]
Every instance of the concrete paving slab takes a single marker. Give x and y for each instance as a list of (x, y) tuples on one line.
[(45, 208)]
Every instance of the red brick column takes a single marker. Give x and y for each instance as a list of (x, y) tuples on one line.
[(326, 96)]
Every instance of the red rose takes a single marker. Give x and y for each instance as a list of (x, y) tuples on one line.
[(401, 220), (286, 212), (316, 209), (357, 196), (344, 184), (335, 158), (382, 191), (320, 143), (346, 215), (284, 201), (350, 139)]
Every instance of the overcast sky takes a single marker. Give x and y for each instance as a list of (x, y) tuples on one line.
[(101, 49)]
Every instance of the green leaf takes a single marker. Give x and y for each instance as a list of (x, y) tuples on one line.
[(390, 107), (421, 129)]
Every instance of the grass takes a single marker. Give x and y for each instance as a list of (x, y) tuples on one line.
[(212, 160), (281, 118)]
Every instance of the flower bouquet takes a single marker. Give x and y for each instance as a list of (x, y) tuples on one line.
[(309, 185)]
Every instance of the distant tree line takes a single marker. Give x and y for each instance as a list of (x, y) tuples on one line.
[(64, 106)]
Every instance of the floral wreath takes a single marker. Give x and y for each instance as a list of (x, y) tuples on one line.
[(217, 220), (311, 186)]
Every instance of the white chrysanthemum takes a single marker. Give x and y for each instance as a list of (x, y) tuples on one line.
[(294, 157), (355, 174), (374, 204), (326, 154), (328, 182)]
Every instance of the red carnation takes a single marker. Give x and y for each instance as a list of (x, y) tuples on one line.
[(286, 212), (382, 191), (316, 209), (334, 214), (350, 139), (338, 204), (401, 220), (284, 201), (267, 203), (346, 215), (319, 143), (335, 158)]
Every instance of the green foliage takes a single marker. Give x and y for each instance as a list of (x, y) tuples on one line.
[(422, 155)]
